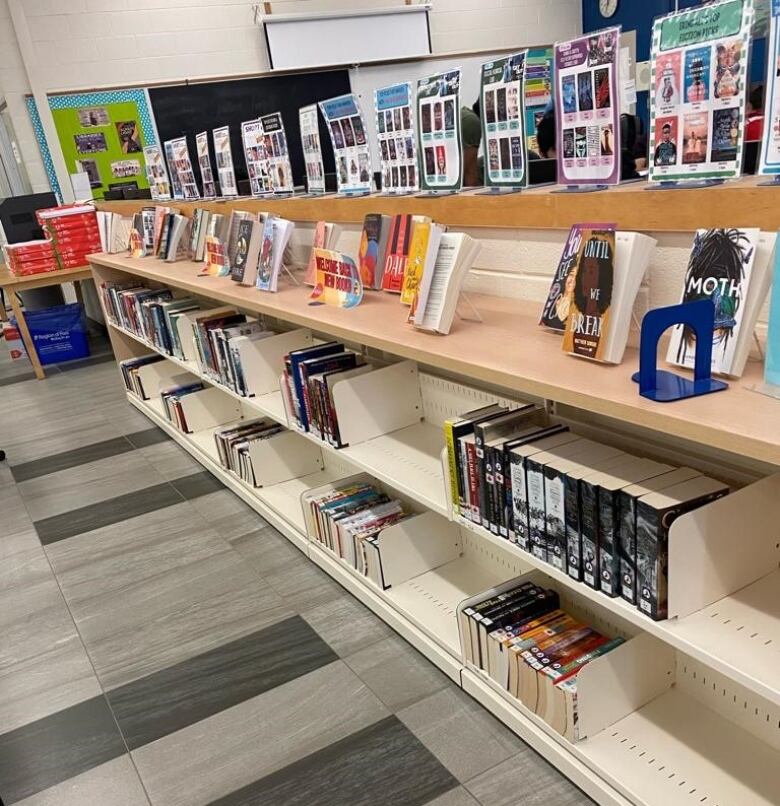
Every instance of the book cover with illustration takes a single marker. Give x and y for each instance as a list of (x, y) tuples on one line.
[(720, 269), (591, 296), (337, 280), (373, 242), (397, 253), (320, 234), (415, 265), (265, 275)]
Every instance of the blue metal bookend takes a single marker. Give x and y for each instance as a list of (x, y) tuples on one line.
[(661, 385)]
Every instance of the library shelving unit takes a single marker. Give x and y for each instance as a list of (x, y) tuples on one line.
[(687, 710)]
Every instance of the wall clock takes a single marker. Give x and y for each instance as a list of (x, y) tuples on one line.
[(608, 7)]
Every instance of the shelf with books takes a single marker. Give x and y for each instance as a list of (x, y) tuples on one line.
[(529, 361)]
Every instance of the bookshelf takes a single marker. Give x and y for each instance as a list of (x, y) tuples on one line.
[(712, 736)]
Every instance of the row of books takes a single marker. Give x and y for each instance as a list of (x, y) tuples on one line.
[(529, 646), (590, 510), (73, 231), (172, 399), (234, 446), (310, 374), (351, 520), (114, 231), (132, 378), (256, 248)]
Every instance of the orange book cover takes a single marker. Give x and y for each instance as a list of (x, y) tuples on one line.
[(415, 266)]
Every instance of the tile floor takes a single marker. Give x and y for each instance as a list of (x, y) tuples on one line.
[(161, 644)]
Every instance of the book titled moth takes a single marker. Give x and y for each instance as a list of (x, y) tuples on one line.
[(337, 280)]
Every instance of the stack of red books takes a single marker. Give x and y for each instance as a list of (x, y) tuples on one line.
[(73, 229), (30, 257)]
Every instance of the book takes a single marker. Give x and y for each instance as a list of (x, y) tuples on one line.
[(266, 278), (282, 231), (243, 269), (399, 241), (373, 246), (325, 236), (423, 249), (723, 267), (231, 240)]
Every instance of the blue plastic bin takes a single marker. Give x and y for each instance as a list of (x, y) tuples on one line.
[(59, 333)]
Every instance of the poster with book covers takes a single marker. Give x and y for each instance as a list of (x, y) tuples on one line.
[(770, 143), (587, 108), (438, 116), (157, 173), (223, 154), (395, 135), (277, 154), (256, 158), (312, 149), (350, 144), (699, 72), (178, 193), (182, 168), (204, 162), (591, 295), (503, 117)]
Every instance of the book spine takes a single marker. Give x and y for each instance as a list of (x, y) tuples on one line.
[(500, 491), (609, 561), (627, 546), (519, 500), (488, 487), (465, 487), (555, 518), (509, 515), (452, 465), (649, 558), (573, 536), (481, 471), (589, 521), (537, 537)]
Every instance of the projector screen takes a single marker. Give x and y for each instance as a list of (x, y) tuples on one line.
[(304, 40)]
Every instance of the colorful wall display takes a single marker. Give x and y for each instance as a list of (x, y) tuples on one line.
[(350, 145), (223, 154), (440, 142), (588, 109), (699, 65), (277, 153), (770, 144), (312, 149), (503, 121), (204, 163), (538, 90), (395, 135)]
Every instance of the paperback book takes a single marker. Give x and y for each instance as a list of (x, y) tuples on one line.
[(373, 248), (326, 234)]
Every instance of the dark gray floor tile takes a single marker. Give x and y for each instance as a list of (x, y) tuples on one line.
[(197, 484), (383, 763), (68, 459), (195, 689), (149, 436), (57, 747), (104, 513), (18, 377), (80, 363)]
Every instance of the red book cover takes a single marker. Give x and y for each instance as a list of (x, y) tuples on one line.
[(397, 253)]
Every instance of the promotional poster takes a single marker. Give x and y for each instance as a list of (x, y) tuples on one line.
[(395, 135), (503, 118), (438, 116), (182, 169), (157, 174), (178, 193), (277, 154), (587, 109), (350, 144), (699, 64), (256, 157), (312, 150), (337, 280), (224, 157), (204, 162)]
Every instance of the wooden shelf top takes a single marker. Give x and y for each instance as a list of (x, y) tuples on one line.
[(631, 206), (27, 281), (507, 350)]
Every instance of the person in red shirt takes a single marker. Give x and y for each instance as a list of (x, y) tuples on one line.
[(754, 115)]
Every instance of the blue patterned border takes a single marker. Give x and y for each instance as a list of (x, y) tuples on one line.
[(48, 163)]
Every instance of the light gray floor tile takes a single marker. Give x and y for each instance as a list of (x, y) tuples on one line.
[(88, 484), (127, 417), (303, 585), (115, 783), (33, 447), (155, 590), (227, 514), (17, 532), (457, 797), (170, 460), (460, 733), (240, 745), (43, 665), (396, 672), (527, 779), (266, 550)]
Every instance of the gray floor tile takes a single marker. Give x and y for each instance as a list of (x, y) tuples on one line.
[(527, 773), (383, 763), (227, 514), (148, 437), (41, 754), (266, 550), (303, 585), (238, 746), (81, 363), (396, 672), (105, 513), (87, 484), (17, 377), (209, 683), (455, 797), (460, 733), (198, 484), (18, 532), (63, 461), (346, 624), (115, 783), (169, 459), (129, 419)]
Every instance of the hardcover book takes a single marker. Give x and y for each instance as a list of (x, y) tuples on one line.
[(373, 246), (397, 253)]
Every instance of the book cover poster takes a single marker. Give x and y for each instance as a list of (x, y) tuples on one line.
[(396, 138), (337, 280), (587, 324), (503, 123), (719, 268), (182, 166), (588, 109), (699, 75), (772, 361), (223, 155), (770, 142), (204, 163), (312, 149), (350, 144), (277, 154), (256, 158), (440, 146), (157, 173)]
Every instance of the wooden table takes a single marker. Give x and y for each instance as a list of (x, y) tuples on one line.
[(13, 284)]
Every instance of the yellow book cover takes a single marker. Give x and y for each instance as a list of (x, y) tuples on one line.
[(415, 265)]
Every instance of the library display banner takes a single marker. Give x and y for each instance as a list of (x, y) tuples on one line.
[(503, 118), (181, 167), (395, 135), (204, 163), (770, 144), (587, 109), (224, 156), (312, 149), (441, 148), (277, 153), (699, 71), (256, 158), (178, 192), (157, 174), (350, 145)]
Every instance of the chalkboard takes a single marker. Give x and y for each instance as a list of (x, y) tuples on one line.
[(187, 109)]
